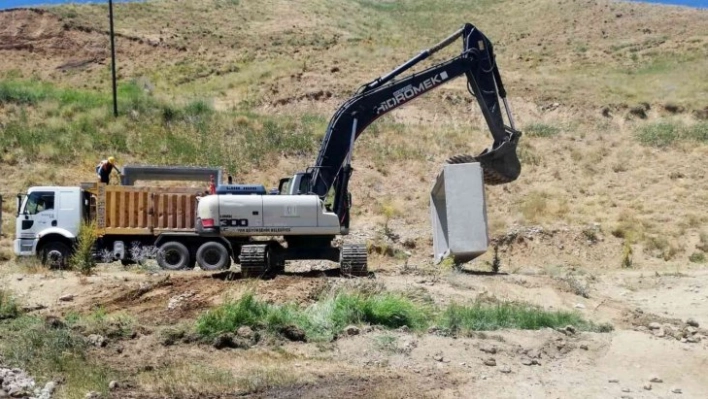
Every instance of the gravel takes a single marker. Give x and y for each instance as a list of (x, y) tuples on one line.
[(18, 384)]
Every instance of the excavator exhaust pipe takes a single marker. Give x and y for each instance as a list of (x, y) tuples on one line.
[(500, 165)]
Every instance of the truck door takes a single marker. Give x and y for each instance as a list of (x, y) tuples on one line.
[(69, 210), (39, 213)]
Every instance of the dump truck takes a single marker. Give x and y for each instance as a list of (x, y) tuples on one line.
[(127, 218)]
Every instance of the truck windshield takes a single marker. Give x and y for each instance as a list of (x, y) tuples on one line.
[(39, 201)]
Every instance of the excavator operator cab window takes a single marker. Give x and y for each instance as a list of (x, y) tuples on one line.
[(304, 186), (284, 186)]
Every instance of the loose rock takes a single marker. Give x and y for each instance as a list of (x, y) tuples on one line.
[(529, 362), (505, 370), (533, 353), (654, 326), (692, 323), (352, 330), (113, 385), (584, 347), (491, 349), (229, 340), (676, 390), (293, 333), (647, 387), (93, 395), (656, 380), (97, 340), (66, 298), (613, 381), (245, 332), (490, 362)]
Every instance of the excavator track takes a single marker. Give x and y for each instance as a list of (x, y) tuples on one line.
[(253, 260), (353, 260)]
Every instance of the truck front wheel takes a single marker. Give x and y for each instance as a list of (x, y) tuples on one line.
[(174, 255), (213, 255), (55, 254)]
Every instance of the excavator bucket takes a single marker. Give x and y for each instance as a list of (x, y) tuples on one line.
[(500, 165), (458, 213)]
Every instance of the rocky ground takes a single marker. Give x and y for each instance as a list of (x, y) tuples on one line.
[(657, 348)]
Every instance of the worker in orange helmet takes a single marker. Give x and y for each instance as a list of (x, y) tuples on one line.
[(104, 169)]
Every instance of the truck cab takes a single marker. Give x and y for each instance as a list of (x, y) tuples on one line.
[(48, 221)]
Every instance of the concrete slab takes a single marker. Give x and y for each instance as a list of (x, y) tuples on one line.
[(458, 213)]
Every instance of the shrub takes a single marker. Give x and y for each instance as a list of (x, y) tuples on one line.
[(8, 306), (83, 258), (697, 257)]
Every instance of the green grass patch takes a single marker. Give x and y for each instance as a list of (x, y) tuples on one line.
[(666, 133), (506, 315), (98, 321), (541, 130), (8, 306), (697, 257), (325, 319), (46, 352), (64, 125), (246, 311)]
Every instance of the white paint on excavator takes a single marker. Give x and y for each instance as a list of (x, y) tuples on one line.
[(458, 212)]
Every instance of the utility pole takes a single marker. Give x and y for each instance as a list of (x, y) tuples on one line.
[(113, 59)]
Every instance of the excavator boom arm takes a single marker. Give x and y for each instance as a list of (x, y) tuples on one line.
[(384, 94)]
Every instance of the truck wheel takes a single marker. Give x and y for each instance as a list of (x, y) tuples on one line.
[(174, 255), (353, 260), (253, 260), (213, 255), (55, 255)]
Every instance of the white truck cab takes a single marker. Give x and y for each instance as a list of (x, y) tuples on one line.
[(48, 221)]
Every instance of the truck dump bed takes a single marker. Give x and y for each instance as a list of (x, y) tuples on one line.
[(142, 210)]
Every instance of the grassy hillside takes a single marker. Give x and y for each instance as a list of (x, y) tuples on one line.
[(611, 95)]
